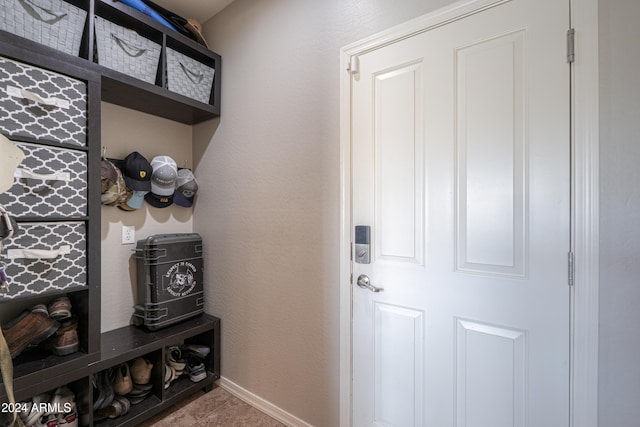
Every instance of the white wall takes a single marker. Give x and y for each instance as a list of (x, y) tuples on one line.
[(619, 373), (268, 204), (124, 131), (269, 200)]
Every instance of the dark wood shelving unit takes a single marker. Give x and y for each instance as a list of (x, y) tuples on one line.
[(127, 343), (121, 89), (37, 371)]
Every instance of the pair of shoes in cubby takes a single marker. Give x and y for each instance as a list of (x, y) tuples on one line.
[(57, 409), (53, 326), (141, 375), (187, 359), (65, 340)]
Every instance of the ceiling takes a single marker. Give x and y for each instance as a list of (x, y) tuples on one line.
[(202, 10)]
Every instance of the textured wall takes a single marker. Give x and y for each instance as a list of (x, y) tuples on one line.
[(269, 207), (619, 358), (124, 131)]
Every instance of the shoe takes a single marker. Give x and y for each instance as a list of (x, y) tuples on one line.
[(68, 419), (197, 372), (123, 384), (194, 355), (30, 328), (200, 351), (36, 410), (139, 390), (61, 400), (65, 341), (141, 370), (40, 308), (169, 376), (102, 382), (47, 421), (125, 403), (119, 406), (60, 308), (174, 359), (137, 399)]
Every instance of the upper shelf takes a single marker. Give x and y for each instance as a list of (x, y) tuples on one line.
[(122, 89)]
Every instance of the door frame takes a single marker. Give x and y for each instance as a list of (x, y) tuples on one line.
[(584, 198)]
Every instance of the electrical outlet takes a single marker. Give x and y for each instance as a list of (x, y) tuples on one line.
[(128, 234)]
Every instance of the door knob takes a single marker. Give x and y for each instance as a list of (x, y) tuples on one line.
[(365, 283)]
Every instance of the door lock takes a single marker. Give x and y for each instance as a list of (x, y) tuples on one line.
[(363, 244)]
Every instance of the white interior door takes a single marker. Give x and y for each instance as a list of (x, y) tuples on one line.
[(461, 167)]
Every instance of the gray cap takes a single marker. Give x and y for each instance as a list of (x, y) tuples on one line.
[(163, 178), (186, 188)]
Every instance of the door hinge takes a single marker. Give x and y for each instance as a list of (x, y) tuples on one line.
[(572, 270), (351, 279), (571, 45), (354, 65)]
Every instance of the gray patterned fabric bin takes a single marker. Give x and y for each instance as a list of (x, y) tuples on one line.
[(50, 182), (54, 23), (42, 104), (45, 257), (126, 51), (189, 77)]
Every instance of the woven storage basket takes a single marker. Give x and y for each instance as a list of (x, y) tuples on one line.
[(189, 77), (54, 23), (126, 51)]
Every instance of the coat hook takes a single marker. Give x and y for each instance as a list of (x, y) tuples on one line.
[(104, 152)]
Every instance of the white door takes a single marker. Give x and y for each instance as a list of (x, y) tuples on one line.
[(461, 167)]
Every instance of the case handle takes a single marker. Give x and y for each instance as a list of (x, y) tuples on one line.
[(16, 92), (30, 8), (56, 176), (191, 75), (128, 48), (38, 253)]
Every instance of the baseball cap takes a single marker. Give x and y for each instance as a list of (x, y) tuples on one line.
[(186, 188), (108, 176), (135, 202), (119, 190), (137, 172), (158, 201), (163, 178), (195, 28)]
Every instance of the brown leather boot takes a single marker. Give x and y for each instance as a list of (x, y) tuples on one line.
[(65, 340), (30, 328)]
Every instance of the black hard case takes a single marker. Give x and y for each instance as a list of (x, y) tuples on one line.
[(170, 279)]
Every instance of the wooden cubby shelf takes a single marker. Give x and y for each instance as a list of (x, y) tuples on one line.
[(38, 371)]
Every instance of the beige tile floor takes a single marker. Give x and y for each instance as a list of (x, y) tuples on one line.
[(218, 408)]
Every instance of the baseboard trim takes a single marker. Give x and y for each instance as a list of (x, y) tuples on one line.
[(261, 404)]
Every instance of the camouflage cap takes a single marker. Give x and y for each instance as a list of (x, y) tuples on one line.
[(117, 193), (108, 175)]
